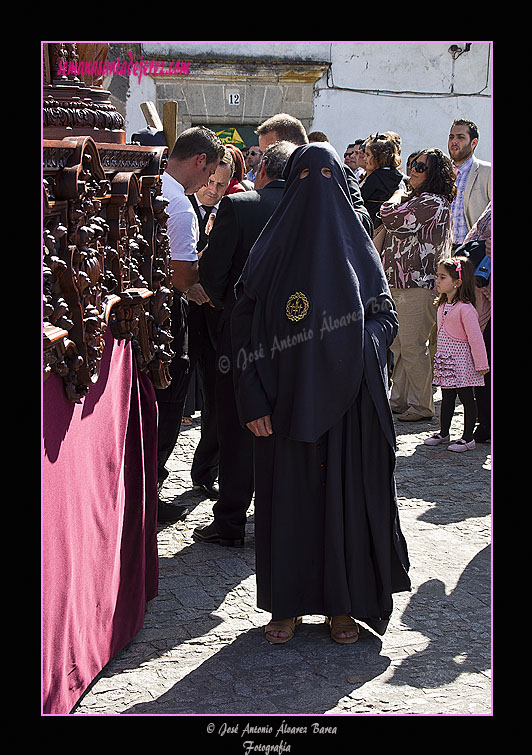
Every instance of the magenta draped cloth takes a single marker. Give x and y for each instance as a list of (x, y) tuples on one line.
[(99, 523)]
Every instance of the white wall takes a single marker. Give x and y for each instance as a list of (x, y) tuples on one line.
[(413, 88), (386, 72), (141, 89)]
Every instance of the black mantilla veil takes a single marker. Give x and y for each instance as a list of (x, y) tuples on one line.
[(317, 283)]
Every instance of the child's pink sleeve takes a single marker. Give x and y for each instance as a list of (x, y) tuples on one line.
[(475, 338)]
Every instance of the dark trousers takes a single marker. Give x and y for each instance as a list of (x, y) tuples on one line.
[(171, 400), (193, 349), (236, 474), (202, 356)]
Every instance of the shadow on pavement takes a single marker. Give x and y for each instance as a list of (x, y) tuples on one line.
[(250, 676), (457, 625)]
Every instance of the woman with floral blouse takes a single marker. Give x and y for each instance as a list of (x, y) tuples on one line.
[(418, 235)]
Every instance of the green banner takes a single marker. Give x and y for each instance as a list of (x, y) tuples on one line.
[(231, 136)]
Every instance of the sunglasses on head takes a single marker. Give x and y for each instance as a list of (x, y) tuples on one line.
[(419, 167)]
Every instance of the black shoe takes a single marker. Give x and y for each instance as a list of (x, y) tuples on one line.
[(162, 474), (169, 512), (210, 534), (482, 434), (212, 491)]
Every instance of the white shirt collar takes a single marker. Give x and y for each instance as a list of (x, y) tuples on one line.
[(167, 178)]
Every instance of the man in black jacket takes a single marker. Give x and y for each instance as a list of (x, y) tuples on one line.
[(203, 321), (239, 221)]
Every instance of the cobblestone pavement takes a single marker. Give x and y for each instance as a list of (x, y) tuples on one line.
[(202, 651)]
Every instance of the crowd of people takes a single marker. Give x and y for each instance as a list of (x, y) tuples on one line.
[(315, 297)]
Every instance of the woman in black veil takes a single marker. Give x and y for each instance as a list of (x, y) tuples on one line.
[(310, 330)]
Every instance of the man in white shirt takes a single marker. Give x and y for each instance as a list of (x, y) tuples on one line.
[(194, 158)]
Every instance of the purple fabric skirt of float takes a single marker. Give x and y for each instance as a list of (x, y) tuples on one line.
[(99, 523)]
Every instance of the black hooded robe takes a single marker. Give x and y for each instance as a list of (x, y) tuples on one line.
[(377, 188), (310, 329)]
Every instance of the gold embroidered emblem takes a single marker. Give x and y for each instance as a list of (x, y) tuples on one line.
[(297, 306)]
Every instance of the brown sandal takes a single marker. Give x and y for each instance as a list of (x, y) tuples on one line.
[(341, 625), (287, 626)]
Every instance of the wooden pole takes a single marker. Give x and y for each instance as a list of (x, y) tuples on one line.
[(151, 115), (170, 123)]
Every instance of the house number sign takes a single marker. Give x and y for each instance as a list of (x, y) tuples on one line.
[(233, 97)]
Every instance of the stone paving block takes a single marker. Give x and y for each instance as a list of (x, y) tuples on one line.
[(202, 649)]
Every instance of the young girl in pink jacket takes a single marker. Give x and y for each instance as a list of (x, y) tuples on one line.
[(460, 362)]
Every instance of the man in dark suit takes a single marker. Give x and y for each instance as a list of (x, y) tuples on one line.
[(239, 221), (203, 321)]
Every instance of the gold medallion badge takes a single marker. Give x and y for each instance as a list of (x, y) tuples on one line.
[(297, 306)]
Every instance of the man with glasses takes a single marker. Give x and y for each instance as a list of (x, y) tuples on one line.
[(252, 162), (350, 157), (354, 158)]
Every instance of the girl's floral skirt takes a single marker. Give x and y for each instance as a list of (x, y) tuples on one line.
[(453, 364)]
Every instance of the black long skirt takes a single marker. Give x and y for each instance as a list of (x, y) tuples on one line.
[(327, 531)]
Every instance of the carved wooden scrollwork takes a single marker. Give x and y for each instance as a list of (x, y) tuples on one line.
[(73, 101), (81, 184), (130, 320), (60, 354), (59, 55), (105, 260), (75, 112), (153, 218)]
